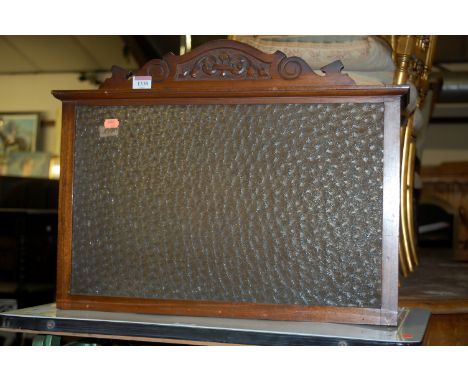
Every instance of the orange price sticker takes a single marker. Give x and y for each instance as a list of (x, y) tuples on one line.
[(111, 123)]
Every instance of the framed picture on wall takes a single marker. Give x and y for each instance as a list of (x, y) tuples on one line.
[(30, 165), (18, 136), (18, 132)]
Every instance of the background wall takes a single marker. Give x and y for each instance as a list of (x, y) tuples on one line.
[(445, 143), (32, 93), (32, 66), (446, 138)]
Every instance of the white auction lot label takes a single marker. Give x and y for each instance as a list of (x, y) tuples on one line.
[(141, 82)]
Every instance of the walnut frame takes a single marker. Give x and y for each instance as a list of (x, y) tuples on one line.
[(236, 74)]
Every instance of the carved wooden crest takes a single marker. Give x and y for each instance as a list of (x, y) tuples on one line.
[(222, 60)]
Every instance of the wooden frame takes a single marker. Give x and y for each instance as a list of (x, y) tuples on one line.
[(229, 72)]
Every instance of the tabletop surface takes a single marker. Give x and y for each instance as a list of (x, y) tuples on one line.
[(47, 319)]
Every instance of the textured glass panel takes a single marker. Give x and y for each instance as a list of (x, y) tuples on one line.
[(246, 203)]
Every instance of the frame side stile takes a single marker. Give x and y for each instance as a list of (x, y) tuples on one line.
[(65, 204), (391, 203)]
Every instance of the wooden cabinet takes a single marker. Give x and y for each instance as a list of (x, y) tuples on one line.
[(238, 184)]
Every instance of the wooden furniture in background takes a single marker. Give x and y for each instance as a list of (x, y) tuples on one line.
[(230, 73), (28, 240), (447, 329), (446, 186)]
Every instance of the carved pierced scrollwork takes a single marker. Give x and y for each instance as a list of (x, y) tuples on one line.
[(228, 60), (290, 68), (334, 67), (158, 69), (223, 64), (119, 75)]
